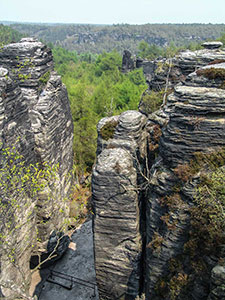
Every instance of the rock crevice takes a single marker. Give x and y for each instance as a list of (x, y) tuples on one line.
[(159, 195)]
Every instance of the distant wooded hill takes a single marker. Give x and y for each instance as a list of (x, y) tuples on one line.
[(99, 38)]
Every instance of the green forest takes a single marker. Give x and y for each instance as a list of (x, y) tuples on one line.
[(100, 38), (9, 35), (97, 88)]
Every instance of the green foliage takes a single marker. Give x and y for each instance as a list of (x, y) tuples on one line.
[(205, 232), (153, 51), (85, 120), (96, 89), (149, 51), (20, 185), (107, 131), (208, 216), (21, 71), (8, 35), (222, 38), (98, 38), (43, 80), (201, 161), (151, 101), (207, 219), (108, 63)]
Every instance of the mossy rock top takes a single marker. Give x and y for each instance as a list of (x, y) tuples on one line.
[(107, 131), (216, 71)]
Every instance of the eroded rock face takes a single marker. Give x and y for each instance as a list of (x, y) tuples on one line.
[(192, 121), (117, 237), (35, 110), (217, 283), (212, 45), (163, 72), (196, 124), (128, 63), (15, 130)]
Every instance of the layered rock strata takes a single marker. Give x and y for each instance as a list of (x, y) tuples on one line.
[(115, 185), (164, 72), (36, 120), (15, 131), (196, 124), (190, 125)]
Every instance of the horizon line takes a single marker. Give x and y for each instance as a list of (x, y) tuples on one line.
[(101, 24)]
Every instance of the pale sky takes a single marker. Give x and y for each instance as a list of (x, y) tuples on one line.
[(113, 11)]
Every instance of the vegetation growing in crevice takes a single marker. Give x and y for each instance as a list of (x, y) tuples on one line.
[(175, 283), (153, 141), (217, 61), (156, 242), (43, 81), (107, 131), (80, 206), (208, 215), (212, 73), (151, 101), (201, 161), (206, 225)]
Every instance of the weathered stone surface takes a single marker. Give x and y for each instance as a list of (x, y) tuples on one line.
[(161, 72), (116, 214), (34, 107), (193, 120), (15, 130), (212, 45), (27, 61), (217, 283), (196, 124), (189, 61), (128, 63)]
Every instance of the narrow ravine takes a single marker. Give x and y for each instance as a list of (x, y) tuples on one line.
[(77, 262)]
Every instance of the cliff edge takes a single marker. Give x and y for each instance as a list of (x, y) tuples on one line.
[(154, 216), (36, 129)]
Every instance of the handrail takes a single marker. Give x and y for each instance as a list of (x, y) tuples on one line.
[(77, 280)]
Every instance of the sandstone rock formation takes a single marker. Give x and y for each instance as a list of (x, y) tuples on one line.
[(163, 71), (115, 195), (188, 132), (36, 119)]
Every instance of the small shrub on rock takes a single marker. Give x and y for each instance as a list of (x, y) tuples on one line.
[(107, 131), (212, 73)]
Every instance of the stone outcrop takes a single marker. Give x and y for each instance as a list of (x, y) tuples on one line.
[(35, 118), (163, 71), (195, 125), (128, 63), (115, 181), (189, 128), (212, 45), (217, 283)]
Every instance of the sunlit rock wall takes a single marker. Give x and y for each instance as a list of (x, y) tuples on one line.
[(36, 119)]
